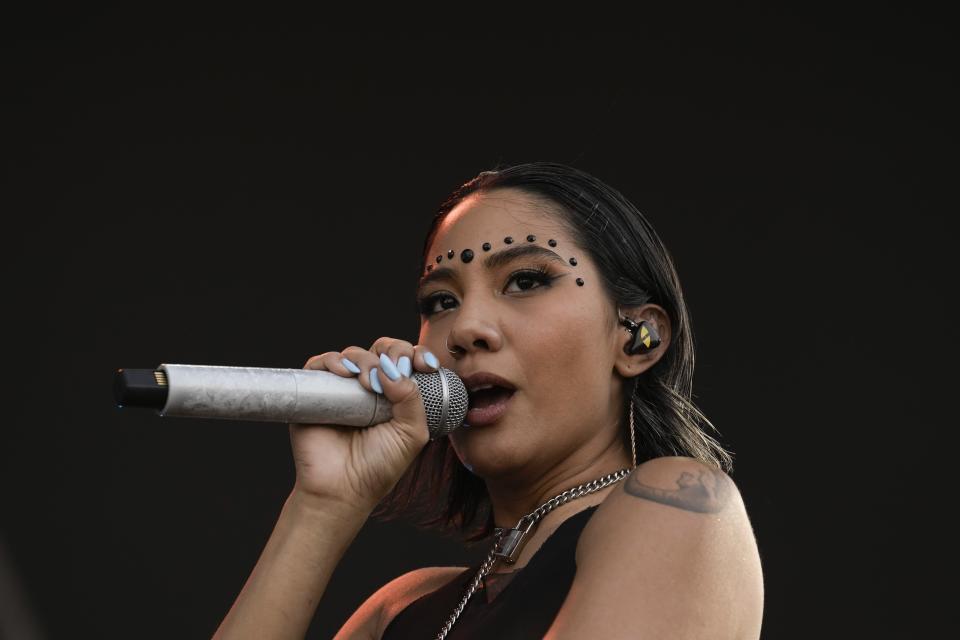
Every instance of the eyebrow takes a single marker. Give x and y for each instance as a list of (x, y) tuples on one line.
[(446, 274)]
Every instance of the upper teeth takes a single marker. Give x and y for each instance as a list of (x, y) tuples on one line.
[(483, 386)]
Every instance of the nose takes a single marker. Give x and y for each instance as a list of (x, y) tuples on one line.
[(473, 332)]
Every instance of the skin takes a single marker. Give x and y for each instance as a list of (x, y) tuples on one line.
[(559, 344), (669, 555), (669, 552)]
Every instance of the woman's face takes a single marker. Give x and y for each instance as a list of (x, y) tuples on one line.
[(517, 311)]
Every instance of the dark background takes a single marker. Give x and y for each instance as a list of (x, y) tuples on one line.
[(186, 191)]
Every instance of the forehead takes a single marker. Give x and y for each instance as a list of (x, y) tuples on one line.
[(495, 215)]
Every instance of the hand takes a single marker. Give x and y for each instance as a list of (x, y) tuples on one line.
[(360, 466)]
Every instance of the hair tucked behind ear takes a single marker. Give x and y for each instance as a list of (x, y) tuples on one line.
[(637, 269)]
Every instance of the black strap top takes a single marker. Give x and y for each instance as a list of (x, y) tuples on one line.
[(524, 609)]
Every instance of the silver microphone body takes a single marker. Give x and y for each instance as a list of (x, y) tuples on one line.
[(301, 396)]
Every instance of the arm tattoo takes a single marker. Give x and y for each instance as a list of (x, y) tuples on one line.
[(704, 492)]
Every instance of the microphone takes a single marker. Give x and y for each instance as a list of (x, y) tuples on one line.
[(283, 395)]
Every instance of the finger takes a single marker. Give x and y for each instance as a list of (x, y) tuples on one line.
[(407, 405), (319, 362), (390, 367), (424, 359), (401, 353), (362, 358), (333, 362), (387, 344), (368, 363), (346, 360)]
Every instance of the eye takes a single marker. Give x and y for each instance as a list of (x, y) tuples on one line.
[(436, 302), (520, 281), (528, 279)]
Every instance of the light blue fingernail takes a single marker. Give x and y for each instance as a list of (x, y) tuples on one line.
[(389, 367), (352, 368), (375, 381), (405, 366), (431, 360)]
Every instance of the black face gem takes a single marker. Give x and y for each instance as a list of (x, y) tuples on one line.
[(450, 253), (552, 242), (508, 240), (466, 255), (531, 238), (579, 282), (486, 246), (573, 261), (439, 258)]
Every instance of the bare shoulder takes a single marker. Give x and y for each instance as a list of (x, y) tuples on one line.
[(670, 494), (670, 549), (683, 483), (374, 615)]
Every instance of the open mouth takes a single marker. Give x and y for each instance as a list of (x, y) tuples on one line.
[(488, 404), (491, 395)]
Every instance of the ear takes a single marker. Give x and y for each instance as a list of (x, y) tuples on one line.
[(628, 365)]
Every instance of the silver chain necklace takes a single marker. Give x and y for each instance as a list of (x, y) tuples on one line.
[(506, 542)]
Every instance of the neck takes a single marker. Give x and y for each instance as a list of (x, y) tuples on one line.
[(510, 504), (514, 497)]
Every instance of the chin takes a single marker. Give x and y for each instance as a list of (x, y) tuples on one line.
[(490, 450)]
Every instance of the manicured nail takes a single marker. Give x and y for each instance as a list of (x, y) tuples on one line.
[(405, 366), (375, 381), (351, 367), (431, 360), (388, 367)]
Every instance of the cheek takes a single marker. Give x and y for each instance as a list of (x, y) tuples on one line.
[(566, 358)]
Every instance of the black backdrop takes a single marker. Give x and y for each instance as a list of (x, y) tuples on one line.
[(184, 191)]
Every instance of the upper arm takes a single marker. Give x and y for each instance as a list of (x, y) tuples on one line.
[(669, 554), (372, 617)]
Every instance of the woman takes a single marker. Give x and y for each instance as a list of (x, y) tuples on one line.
[(556, 302)]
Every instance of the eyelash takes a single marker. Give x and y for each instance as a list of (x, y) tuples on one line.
[(539, 274)]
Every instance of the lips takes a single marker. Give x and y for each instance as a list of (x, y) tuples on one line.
[(489, 397), (488, 407), (485, 379)]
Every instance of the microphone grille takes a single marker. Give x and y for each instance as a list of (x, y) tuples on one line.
[(444, 400)]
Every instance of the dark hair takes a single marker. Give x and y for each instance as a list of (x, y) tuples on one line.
[(637, 269)]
